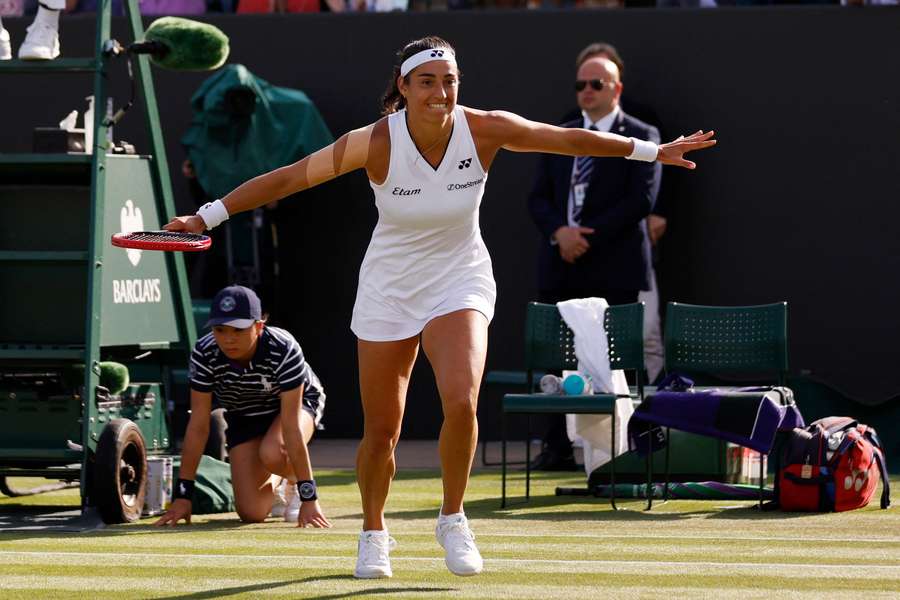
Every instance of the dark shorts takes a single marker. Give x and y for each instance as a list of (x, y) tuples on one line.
[(242, 428)]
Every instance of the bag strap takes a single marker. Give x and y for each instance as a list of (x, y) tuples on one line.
[(878, 451), (885, 482)]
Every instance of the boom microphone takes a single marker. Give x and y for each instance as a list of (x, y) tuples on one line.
[(183, 44)]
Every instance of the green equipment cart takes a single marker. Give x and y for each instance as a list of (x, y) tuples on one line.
[(70, 300)]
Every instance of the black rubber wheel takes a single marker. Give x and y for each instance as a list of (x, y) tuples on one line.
[(120, 472)]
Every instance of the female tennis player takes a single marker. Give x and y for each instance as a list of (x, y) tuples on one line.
[(426, 280), (273, 402)]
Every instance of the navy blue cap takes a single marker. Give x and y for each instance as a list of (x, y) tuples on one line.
[(235, 306)]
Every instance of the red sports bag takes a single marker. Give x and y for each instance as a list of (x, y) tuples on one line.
[(832, 465)]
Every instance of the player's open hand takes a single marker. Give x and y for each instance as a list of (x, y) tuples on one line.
[(190, 224), (178, 510), (311, 515), (673, 152)]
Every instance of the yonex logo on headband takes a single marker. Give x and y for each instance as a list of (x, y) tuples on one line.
[(425, 56)]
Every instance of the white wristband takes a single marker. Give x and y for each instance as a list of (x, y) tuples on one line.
[(213, 213), (643, 150)]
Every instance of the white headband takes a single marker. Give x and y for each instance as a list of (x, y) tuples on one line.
[(426, 56)]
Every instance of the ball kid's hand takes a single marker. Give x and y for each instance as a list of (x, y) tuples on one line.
[(311, 514)]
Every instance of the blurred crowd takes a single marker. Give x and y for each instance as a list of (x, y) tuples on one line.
[(193, 7)]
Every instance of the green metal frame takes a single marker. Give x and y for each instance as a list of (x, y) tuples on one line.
[(95, 415), (550, 345)]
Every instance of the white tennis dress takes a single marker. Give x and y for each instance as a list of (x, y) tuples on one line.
[(426, 257)]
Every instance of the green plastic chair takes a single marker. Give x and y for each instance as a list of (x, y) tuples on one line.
[(550, 345), (738, 341)]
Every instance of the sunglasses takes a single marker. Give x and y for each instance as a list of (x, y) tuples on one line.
[(596, 84)]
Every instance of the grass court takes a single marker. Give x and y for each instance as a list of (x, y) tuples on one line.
[(552, 548)]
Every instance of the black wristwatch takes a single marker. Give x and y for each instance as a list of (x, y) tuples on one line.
[(307, 490)]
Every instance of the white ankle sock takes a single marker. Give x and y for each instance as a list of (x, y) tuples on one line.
[(376, 532), (48, 17), (442, 518)]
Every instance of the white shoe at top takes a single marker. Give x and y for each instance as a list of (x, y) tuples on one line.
[(291, 502), (458, 541), (41, 43), (373, 560), (5, 46), (278, 503)]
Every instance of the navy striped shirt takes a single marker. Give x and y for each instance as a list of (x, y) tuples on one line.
[(277, 366)]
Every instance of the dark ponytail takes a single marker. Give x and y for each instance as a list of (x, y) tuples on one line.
[(393, 100)]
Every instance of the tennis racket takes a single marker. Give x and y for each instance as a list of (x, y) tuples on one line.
[(170, 241)]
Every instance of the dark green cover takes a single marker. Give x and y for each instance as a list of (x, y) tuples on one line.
[(212, 487), (244, 126)]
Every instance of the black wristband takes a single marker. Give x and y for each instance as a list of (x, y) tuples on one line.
[(184, 488), (307, 490)]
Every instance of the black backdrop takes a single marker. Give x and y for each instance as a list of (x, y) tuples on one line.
[(797, 203)]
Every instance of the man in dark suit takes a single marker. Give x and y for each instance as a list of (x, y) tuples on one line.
[(590, 213)]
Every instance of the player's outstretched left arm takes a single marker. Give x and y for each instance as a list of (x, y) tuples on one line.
[(348, 153), (512, 132)]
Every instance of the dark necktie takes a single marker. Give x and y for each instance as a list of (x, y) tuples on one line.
[(584, 167)]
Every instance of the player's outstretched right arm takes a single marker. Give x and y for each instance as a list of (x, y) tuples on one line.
[(348, 153), (194, 442)]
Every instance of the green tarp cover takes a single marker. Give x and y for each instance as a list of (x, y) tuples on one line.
[(244, 126), (212, 487)]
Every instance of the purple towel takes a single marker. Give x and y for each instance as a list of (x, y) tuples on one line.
[(746, 416)]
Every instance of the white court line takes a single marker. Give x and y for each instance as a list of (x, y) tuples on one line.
[(650, 536), (723, 537), (514, 561)]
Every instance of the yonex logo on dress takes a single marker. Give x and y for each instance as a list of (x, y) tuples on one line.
[(464, 164), (227, 304), (461, 186), (399, 191)]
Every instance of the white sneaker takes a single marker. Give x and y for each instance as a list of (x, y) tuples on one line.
[(458, 541), (41, 43), (372, 560), (278, 503), (5, 46), (291, 502)]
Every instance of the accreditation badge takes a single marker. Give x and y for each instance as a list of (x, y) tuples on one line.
[(578, 192)]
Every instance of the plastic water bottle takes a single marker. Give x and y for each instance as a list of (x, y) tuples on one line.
[(551, 384), (576, 384)]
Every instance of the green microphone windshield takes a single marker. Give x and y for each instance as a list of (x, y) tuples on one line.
[(113, 376), (183, 44)]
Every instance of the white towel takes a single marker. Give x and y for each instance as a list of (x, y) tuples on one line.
[(584, 316)]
